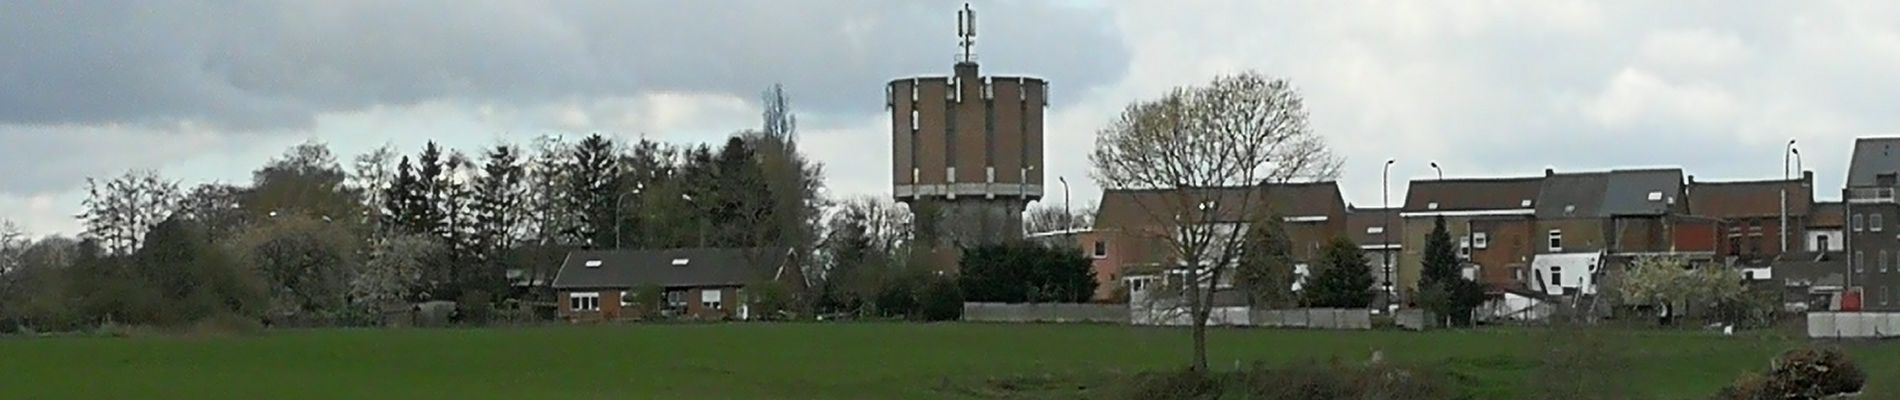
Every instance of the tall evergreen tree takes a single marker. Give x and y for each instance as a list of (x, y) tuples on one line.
[(1343, 280), (403, 201), (498, 209), (431, 213), (1442, 288), (1266, 265), (591, 190), (1441, 259)]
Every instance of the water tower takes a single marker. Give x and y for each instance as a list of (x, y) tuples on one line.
[(967, 148)]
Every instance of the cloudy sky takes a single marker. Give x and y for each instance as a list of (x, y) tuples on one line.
[(207, 91)]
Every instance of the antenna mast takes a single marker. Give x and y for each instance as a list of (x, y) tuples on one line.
[(966, 33)]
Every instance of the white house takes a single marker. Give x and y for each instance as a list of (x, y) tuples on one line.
[(1566, 273)]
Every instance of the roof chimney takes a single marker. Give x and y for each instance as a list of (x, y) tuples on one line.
[(1807, 178), (1692, 179), (1549, 172)]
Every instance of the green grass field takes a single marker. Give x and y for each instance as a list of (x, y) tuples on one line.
[(789, 361)]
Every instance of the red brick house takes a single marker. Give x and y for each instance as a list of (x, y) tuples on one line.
[(705, 283)]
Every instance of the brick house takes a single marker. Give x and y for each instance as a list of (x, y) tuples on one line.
[(1127, 234), (1492, 220), (703, 283), (1750, 213), (1376, 230)]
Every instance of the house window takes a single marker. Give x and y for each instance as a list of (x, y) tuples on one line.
[(1873, 222), (583, 301), (676, 300), (1556, 276), (1464, 248), (1857, 222), (1431, 205), (913, 120), (1556, 240), (1101, 249), (626, 299), (1375, 230), (1883, 260), (1655, 196), (1480, 240), (709, 299), (1860, 261), (1820, 243)]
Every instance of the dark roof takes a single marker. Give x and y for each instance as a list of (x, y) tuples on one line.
[(1873, 157), (1748, 198), (1827, 214), (1571, 195), (702, 267), (1629, 192), (1471, 194), (1126, 208), (1359, 219)]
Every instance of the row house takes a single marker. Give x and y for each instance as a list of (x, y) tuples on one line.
[(1751, 212), (1873, 243), (1492, 219), (1130, 238), (1553, 233), (1376, 232)]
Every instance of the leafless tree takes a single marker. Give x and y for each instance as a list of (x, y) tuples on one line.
[(13, 243), (119, 212), (1046, 217), (1206, 149)]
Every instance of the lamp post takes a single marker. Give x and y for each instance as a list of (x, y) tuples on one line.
[(702, 219), (1783, 228), (1068, 220), (1385, 197), (620, 207), (1441, 173)]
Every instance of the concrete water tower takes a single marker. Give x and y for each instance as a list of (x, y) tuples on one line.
[(967, 148)]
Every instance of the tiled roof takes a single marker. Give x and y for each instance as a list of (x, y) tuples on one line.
[(1128, 208), (1472, 194), (669, 267), (1748, 198), (1642, 192), (1369, 226), (1872, 158), (1571, 195)]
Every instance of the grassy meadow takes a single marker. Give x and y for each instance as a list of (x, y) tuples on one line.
[(798, 361)]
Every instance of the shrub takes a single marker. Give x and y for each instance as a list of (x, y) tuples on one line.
[(1180, 384), (941, 300), (1804, 373), (475, 308)]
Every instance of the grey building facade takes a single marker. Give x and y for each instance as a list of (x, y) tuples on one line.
[(1873, 237)]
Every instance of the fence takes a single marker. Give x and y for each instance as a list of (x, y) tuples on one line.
[(1853, 325), (1045, 312)]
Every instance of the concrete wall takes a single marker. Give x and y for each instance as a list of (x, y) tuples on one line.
[(1415, 319), (1045, 312), (1853, 325), (1316, 318)]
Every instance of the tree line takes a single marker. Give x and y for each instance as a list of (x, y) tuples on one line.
[(310, 240)]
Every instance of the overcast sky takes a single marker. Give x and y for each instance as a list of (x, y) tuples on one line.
[(208, 91)]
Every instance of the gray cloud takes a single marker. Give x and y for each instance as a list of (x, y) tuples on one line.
[(248, 66)]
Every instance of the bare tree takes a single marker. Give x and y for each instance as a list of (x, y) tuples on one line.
[(1046, 217), (13, 243), (120, 212), (1207, 149)]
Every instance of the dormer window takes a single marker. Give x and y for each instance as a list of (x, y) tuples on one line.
[(592, 263), (1570, 209), (1525, 203), (681, 262), (1431, 205), (1655, 196)]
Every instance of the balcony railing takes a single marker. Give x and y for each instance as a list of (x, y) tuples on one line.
[(1870, 195)]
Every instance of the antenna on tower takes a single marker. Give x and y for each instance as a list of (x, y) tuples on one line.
[(966, 33)]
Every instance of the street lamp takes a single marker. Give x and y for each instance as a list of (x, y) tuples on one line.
[(1441, 173), (1783, 228), (620, 207), (1068, 220), (1385, 197)]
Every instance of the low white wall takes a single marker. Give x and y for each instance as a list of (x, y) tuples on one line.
[(1045, 312), (1853, 325)]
